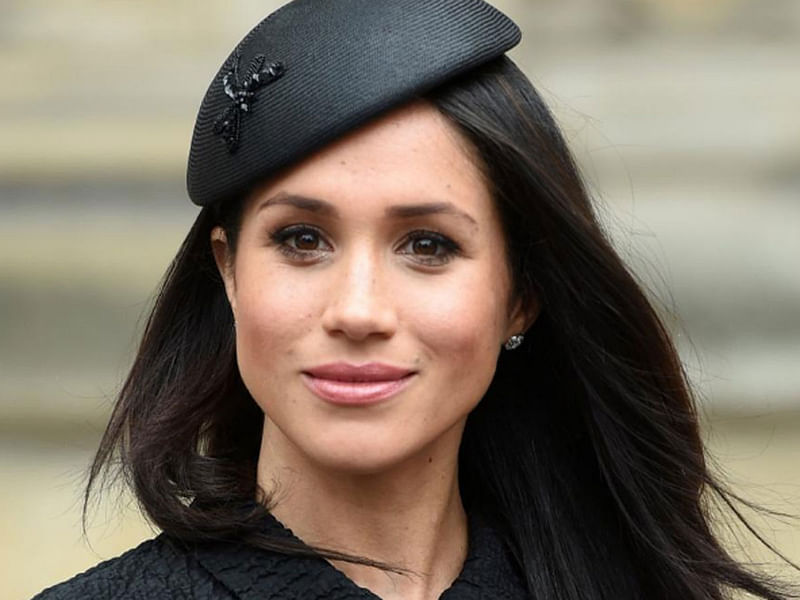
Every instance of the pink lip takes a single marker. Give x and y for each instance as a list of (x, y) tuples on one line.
[(356, 385)]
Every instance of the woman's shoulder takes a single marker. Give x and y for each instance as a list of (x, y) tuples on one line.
[(157, 568)]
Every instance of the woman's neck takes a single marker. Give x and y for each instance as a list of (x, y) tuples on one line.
[(409, 516)]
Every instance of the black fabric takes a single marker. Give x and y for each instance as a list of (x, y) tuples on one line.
[(163, 568), (326, 67)]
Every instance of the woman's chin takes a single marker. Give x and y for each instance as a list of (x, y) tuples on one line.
[(360, 457), (374, 447)]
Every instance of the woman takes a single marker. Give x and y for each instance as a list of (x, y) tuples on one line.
[(396, 356)]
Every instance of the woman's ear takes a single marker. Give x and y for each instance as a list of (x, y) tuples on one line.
[(223, 256), (522, 317)]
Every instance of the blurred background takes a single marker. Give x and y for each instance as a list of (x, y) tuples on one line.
[(684, 115)]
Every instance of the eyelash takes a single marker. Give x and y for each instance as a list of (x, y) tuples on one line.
[(450, 249), (446, 247), (282, 237)]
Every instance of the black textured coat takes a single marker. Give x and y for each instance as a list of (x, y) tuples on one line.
[(163, 568)]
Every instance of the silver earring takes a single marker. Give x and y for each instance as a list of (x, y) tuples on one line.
[(514, 342)]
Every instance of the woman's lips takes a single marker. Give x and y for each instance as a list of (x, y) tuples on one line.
[(353, 385)]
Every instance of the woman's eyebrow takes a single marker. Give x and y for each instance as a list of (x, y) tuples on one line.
[(406, 211), (397, 211), (307, 203)]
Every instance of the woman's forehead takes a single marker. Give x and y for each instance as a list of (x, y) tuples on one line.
[(411, 155), (416, 134)]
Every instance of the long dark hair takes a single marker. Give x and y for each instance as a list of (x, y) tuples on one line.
[(584, 453)]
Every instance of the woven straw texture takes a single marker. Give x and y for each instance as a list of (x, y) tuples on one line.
[(345, 62)]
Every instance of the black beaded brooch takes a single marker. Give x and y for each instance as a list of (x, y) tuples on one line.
[(242, 94)]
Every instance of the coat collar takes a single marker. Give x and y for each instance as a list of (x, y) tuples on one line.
[(251, 573)]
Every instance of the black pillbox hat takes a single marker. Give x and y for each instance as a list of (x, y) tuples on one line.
[(316, 69)]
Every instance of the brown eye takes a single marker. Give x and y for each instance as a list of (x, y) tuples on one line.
[(429, 248), (425, 246), (308, 240), (301, 242)]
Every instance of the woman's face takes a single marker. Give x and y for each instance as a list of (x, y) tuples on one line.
[(370, 289)]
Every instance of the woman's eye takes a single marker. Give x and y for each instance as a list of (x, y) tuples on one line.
[(300, 241), (429, 248), (306, 241), (425, 247)]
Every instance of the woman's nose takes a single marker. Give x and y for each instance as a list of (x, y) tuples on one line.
[(359, 304)]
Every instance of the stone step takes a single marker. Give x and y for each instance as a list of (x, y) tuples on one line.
[(121, 92)]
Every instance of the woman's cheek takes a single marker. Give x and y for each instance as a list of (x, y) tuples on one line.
[(276, 301), (459, 323), (272, 319)]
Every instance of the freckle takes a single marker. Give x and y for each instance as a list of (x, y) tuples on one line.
[(430, 459), (343, 162)]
